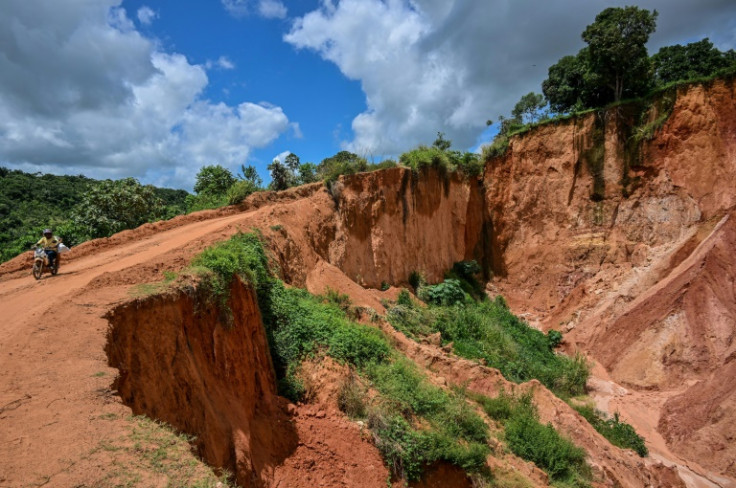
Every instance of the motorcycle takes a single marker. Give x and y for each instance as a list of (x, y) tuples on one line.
[(41, 263)]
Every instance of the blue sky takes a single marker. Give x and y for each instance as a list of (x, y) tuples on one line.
[(264, 68), (155, 89)]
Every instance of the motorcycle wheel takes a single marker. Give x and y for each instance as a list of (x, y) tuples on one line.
[(37, 270)]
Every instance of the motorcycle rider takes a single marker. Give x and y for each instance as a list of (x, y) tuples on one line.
[(50, 243)]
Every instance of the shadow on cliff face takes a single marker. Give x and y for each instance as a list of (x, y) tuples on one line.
[(180, 365)]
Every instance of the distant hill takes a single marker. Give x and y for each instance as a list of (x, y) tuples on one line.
[(31, 202)]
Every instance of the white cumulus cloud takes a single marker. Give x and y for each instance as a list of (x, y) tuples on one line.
[(223, 62), (81, 91), (450, 65), (146, 15), (270, 9)]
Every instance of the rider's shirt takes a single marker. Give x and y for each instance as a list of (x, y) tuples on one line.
[(46, 243)]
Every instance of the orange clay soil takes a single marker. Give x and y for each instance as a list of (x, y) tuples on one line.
[(640, 281)]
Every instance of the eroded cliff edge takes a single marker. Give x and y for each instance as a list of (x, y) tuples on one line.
[(634, 259), (627, 249)]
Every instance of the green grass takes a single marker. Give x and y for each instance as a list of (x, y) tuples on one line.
[(488, 331), (414, 423), (617, 432), (467, 163), (541, 444)]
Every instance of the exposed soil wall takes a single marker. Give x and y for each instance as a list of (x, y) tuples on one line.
[(179, 364), (633, 260), (630, 256), (395, 222)]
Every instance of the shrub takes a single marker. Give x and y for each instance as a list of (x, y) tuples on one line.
[(543, 445), (447, 293), (351, 397), (618, 433), (416, 279), (496, 149), (404, 298), (239, 191), (424, 156), (489, 331), (455, 433), (205, 201), (554, 338), (533, 441), (465, 272), (243, 255)]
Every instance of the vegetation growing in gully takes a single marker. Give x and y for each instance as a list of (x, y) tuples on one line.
[(415, 423)]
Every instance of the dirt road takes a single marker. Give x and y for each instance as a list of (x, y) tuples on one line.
[(56, 406)]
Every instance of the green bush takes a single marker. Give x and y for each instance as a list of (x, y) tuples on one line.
[(414, 422), (465, 272), (544, 446), (242, 255), (432, 156), (416, 279), (447, 293), (404, 298), (426, 156), (554, 338), (205, 201), (529, 439), (489, 331), (618, 433), (239, 191)]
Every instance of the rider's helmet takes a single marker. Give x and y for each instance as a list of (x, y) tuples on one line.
[(47, 233)]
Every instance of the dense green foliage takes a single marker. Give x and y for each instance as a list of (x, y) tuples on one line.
[(31, 202), (534, 441), (112, 206), (242, 255), (617, 432), (216, 187), (414, 422), (489, 331), (529, 108), (617, 49), (443, 159), (213, 180), (691, 61), (447, 293), (615, 64)]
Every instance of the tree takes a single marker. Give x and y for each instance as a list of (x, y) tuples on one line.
[(281, 176), (441, 143), (292, 162), (617, 51), (694, 60), (113, 206), (213, 180), (572, 86), (342, 163), (249, 173), (307, 173), (528, 109)]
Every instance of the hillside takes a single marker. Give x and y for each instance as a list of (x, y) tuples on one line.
[(30, 203), (626, 250)]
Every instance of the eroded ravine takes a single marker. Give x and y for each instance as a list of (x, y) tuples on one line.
[(563, 259)]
